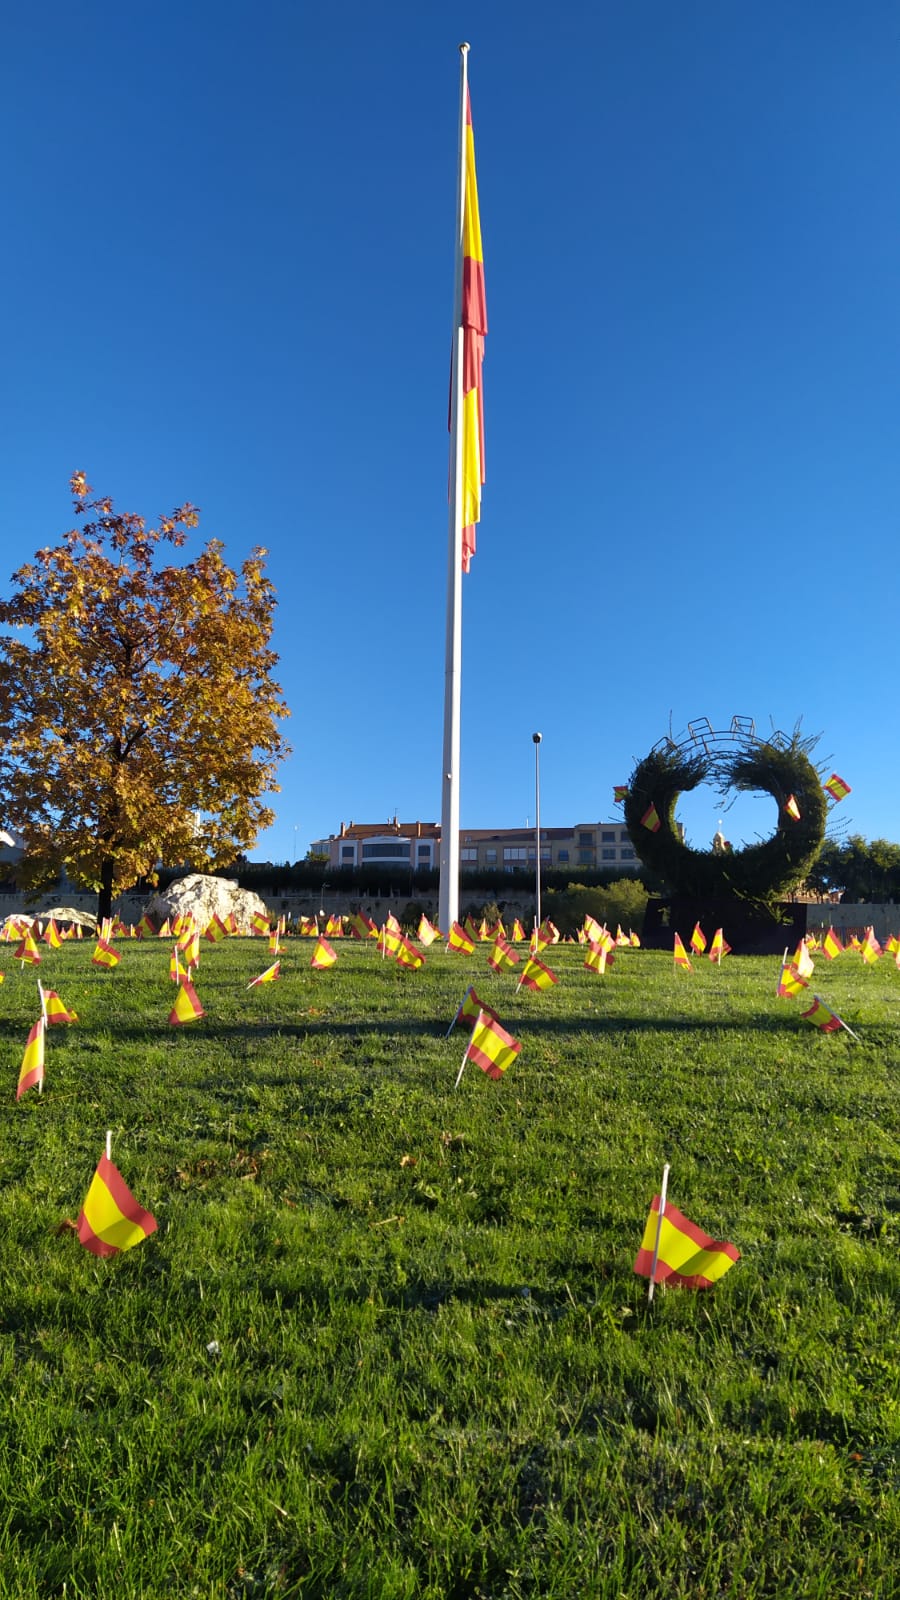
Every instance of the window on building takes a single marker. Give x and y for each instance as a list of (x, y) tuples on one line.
[(585, 857), (348, 852), (608, 838), (490, 857), (608, 853), (469, 854), (546, 853), (585, 838), (563, 855), (424, 852), (397, 850), (515, 852), (627, 853)]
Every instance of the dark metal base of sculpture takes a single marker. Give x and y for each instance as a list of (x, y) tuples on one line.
[(749, 932)]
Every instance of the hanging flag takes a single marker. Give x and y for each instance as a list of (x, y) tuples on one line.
[(491, 1047), (650, 819), (790, 982), (687, 1256), (502, 956), (836, 787), (698, 940), (111, 1219), (187, 1007), (536, 976), (870, 949), (682, 959), (822, 1017), (459, 940), (55, 1011), (472, 314), (323, 956), (104, 955), (31, 1072), (792, 808), (620, 793)]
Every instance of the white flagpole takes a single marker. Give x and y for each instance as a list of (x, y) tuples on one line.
[(659, 1223), (448, 893)]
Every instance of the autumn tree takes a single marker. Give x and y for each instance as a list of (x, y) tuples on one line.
[(138, 715)]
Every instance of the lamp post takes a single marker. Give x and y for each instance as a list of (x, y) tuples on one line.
[(537, 826)]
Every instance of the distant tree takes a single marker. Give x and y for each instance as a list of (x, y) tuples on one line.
[(863, 871), (138, 716), (317, 856)]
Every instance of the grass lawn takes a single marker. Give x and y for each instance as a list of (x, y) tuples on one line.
[(387, 1340)]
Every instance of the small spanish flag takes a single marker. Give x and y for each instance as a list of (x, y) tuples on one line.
[(491, 1047), (682, 959), (836, 787), (870, 949), (187, 1007), (822, 1017), (698, 940), (597, 958), (31, 1073), (459, 940), (650, 819), (323, 956), (408, 955), (831, 945), (54, 1010), (790, 981), (269, 976), (111, 1219), (687, 1256), (502, 956), (51, 935), (104, 955), (620, 793), (536, 976), (792, 808)]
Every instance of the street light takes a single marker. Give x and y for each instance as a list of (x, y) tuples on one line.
[(537, 824)]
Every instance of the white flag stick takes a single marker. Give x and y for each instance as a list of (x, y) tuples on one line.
[(43, 1001), (659, 1223), (109, 1144)]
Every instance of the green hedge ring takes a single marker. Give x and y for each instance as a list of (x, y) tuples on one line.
[(760, 873)]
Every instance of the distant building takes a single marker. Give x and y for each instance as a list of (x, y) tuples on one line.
[(417, 845)]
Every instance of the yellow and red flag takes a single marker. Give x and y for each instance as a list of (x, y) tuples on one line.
[(31, 1072), (518, 932), (698, 940), (836, 787), (620, 793), (822, 1017), (269, 976), (51, 935), (682, 959), (323, 956), (389, 941), (426, 933), (502, 956), (831, 945), (597, 958), (391, 923), (491, 1047), (28, 951), (803, 962), (215, 929), (362, 927), (687, 1256), (719, 947), (187, 1007), (104, 955), (870, 949), (259, 924), (472, 313), (792, 808), (458, 939), (408, 955), (650, 819), (54, 1009), (790, 981), (536, 976), (469, 1008), (111, 1219)]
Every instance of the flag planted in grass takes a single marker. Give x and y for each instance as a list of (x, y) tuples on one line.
[(824, 1018), (28, 951), (682, 959), (408, 955), (831, 945), (698, 940), (104, 955), (31, 1073), (54, 1009), (536, 976), (323, 956), (685, 1255), (490, 1047), (187, 1007), (459, 940), (269, 976), (111, 1219), (502, 956)]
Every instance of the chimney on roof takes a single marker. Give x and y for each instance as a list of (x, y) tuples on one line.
[(343, 830), (418, 830)]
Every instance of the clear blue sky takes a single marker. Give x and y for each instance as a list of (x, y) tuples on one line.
[(228, 278)]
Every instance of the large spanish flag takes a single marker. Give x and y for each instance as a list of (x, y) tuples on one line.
[(474, 326)]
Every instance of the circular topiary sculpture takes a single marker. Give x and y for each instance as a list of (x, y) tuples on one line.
[(761, 874)]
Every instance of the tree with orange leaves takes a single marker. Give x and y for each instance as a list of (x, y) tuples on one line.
[(138, 715)]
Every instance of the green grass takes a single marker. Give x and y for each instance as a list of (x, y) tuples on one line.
[(387, 1340)]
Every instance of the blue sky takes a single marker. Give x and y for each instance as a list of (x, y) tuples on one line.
[(228, 278)]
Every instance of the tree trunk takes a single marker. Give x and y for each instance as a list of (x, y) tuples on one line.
[(104, 899)]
